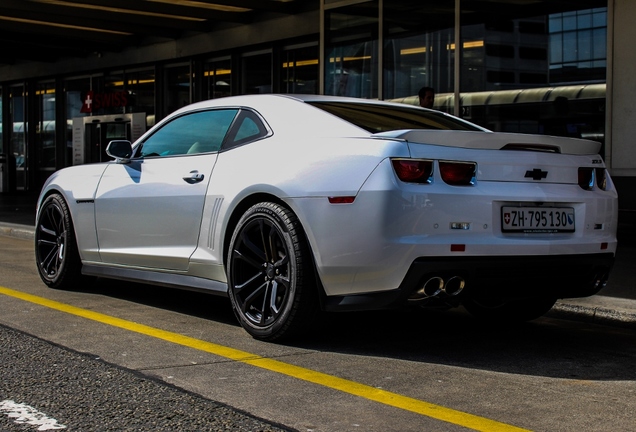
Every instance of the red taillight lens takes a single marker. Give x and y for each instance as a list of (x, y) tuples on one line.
[(458, 173), (413, 170), (601, 178), (586, 178)]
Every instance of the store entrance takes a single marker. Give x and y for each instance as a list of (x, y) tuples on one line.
[(91, 135), (98, 135)]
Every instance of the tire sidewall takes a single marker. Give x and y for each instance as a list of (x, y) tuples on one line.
[(279, 217), (60, 276)]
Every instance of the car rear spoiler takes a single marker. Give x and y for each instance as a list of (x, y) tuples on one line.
[(495, 141)]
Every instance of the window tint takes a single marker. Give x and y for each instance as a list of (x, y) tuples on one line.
[(248, 127), (382, 118), (194, 133)]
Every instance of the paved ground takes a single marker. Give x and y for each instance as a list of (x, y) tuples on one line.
[(77, 389), (616, 305)]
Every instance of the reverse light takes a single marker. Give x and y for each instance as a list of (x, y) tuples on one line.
[(458, 173), (413, 170)]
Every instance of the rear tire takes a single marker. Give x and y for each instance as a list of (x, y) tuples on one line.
[(56, 252), (509, 311), (270, 277)]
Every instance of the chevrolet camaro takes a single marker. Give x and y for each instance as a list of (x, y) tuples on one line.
[(290, 205)]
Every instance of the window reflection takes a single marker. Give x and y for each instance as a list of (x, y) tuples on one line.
[(217, 80), (45, 129), (351, 59)]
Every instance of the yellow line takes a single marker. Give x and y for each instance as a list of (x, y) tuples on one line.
[(351, 387)]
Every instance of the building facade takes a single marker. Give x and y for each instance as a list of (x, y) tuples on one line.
[(537, 66)]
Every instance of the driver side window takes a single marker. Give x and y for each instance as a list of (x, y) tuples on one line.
[(193, 133)]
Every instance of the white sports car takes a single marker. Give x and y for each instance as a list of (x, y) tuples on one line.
[(292, 204)]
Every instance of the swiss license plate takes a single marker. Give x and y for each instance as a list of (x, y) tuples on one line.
[(537, 219)]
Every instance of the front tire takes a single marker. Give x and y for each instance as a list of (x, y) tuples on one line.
[(56, 252), (270, 277)]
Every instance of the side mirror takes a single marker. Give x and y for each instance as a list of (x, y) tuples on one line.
[(121, 150)]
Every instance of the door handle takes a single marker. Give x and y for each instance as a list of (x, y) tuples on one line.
[(194, 177)]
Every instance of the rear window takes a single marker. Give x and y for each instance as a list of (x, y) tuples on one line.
[(383, 118)]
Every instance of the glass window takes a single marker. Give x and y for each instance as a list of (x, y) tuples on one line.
[(45, 128), (570, 40), (418, 47), (558, 49), (299, 73), (382, 118), (76, 91), (140, 86), (18, 137), (1, 139), (577, 52), (248, 127), (177, 88), (257, 74), (199, 132), (217, 78), (351, 60)]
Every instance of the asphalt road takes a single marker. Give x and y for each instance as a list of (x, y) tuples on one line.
[(117, 356)]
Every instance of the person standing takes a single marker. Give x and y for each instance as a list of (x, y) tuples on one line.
[(427, 97)]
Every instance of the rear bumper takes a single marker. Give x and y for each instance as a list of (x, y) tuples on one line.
[(494, 277)]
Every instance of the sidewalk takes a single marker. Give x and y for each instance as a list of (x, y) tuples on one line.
[(615, 305)]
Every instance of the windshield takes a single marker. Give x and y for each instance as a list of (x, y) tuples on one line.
[(383, 118)]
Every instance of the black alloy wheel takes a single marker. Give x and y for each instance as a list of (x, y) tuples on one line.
[(56, 252), (270, 274)]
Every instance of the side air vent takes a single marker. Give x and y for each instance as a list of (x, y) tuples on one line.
[(532, 147)]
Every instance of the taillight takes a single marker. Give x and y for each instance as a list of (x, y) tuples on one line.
[(458, 173), (601, 178), (586, 178), (413, 170)]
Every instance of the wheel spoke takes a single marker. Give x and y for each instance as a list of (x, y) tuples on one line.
[(264, 306), (238, 288), (254, 263), (264, 242), (282, 263), (283, 280), (48, 231), (49, 264), (272, 243), (51, 212), (273, 295), (252, 247), (251, 299)]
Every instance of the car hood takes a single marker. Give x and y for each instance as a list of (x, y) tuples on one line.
[(496, 141)]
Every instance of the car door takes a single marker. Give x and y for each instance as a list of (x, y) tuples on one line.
[(148, 212)]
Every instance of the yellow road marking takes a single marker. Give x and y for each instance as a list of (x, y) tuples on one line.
[(346, 386)]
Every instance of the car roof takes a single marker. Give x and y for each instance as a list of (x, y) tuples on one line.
[(274, 97)]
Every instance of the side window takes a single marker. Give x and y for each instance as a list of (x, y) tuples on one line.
[(199, 132), (247, 127)]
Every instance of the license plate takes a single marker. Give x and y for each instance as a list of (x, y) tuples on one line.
[(537, 219)]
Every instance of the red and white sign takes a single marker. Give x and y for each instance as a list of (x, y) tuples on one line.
[(94, 101)]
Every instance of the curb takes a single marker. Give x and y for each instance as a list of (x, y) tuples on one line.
[(20, 231), (614, 317)]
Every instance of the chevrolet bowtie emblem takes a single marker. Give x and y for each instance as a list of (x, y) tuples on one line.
[(536, 174)]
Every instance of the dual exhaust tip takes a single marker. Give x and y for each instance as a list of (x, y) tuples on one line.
[(438, 285)]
